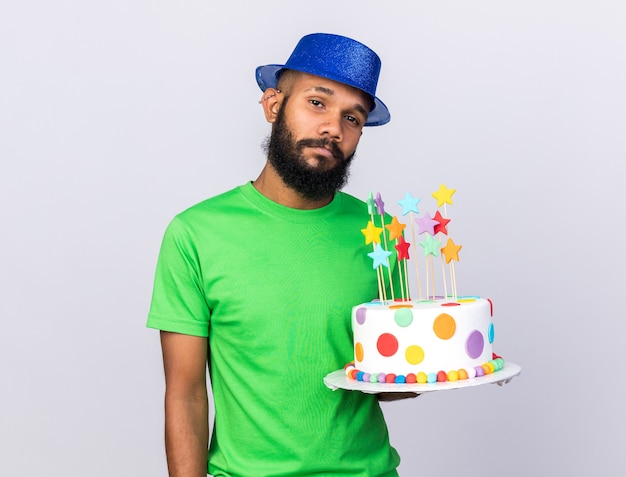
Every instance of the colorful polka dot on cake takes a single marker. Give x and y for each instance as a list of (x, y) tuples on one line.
[(475, 344), (387, 344), (360, 315), (358, 351), (403, 317), (444, 326), (414, 354)]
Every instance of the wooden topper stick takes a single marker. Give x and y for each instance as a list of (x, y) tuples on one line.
[(382, 224), (415, 255), (443, 274), (380, 276), (432, 266), (453, 279)]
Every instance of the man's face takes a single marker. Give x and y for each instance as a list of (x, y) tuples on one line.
[(315, 135)]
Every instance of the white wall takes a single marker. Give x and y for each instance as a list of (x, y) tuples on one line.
[(116, 115)]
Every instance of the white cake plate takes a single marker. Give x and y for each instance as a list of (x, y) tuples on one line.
[(339, 380)]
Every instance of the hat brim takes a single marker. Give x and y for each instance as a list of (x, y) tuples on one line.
[(267, 77)]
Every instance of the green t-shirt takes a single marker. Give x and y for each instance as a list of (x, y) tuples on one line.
[(272, 288)]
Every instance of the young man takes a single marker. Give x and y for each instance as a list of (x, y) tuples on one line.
[(261, 280)]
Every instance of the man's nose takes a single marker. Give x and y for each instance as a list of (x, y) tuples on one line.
[(331, 127)]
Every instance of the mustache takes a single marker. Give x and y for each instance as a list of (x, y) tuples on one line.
[(322, 142)]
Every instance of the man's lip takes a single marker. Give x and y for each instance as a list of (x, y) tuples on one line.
[(324, 151)]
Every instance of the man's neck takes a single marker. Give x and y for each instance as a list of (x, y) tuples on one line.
[(271, 185)]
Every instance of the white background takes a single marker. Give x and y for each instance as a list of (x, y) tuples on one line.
[(116, 115)]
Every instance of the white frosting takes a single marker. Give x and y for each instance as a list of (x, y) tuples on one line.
[(412, 329)]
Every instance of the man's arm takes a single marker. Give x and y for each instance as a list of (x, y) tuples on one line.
[(186, 404)]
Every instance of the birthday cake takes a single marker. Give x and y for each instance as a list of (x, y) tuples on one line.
[(430, 338)]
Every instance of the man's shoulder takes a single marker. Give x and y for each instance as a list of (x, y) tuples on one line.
[(352, 205), (203, 216), (216, 204), (349, 198)]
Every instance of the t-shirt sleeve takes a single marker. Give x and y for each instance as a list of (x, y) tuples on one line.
[(178, 300)]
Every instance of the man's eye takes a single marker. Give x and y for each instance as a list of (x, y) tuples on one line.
[(352, 119), (315, 102)]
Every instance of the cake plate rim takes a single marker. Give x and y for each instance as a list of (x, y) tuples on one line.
[(339, 380)]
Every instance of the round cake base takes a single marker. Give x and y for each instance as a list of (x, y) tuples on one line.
[(339, 380)]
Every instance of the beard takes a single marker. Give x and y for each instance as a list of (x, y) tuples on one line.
[(285, 155)]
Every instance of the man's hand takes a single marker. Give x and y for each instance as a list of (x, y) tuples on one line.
[(387, 397)]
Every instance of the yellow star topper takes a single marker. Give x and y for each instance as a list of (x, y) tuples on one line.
[(451, 251), (395, 228), (443, 195), (372, 233)]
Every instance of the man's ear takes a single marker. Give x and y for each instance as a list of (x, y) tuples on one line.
[(271, 104)]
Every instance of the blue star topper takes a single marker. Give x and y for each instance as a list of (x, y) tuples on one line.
[(409, 204), (380, 256)]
